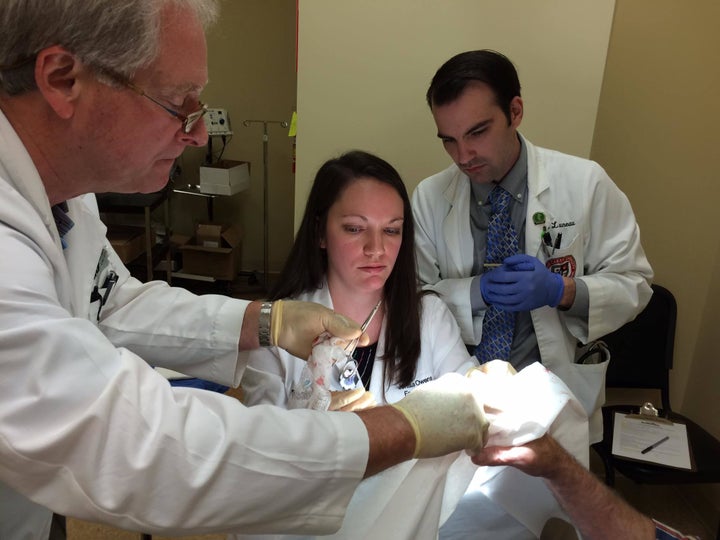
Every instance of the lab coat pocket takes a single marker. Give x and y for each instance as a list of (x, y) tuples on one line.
[(589, 384), (565, 258)]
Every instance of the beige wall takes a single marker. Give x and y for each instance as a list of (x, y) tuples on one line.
[(364, 68), (656, 135), (251, 63)]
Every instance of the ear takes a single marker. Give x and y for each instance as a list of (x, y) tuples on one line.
[(516, 111), (57, 77)]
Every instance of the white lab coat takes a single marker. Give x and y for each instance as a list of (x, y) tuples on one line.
[(90, 430), (411, 500), (600, 246)]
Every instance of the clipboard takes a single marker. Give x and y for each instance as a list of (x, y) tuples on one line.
[(651, 439)]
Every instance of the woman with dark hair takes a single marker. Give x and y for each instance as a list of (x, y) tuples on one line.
[(353, 251)]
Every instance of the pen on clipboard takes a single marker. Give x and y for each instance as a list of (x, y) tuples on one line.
[(654, 445)]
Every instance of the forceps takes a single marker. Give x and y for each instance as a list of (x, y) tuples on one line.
[(349, 375)]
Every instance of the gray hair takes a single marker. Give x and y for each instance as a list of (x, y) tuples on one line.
[(119, 35)]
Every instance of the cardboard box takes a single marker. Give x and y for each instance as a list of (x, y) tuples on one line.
[(209, 234), (221, 262), (128, 242), (226, 177)]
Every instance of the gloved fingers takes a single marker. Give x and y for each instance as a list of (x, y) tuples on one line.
[(522, 283), (366, 401), (497, 368), (295, 325), (496, 284), (521, 259), (524, 266), (352, 400), (522, 262), (500, 275), (500, 291), (340, 326), (342, 397), (506, 301)]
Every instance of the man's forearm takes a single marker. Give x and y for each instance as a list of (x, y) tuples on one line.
[(568, 296), (392, 439), (594, 508), (249, 331)]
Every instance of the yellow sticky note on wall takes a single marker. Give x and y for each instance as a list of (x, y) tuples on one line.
[(293, 125)]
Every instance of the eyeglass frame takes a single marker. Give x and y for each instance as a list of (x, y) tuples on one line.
[(188, 121)]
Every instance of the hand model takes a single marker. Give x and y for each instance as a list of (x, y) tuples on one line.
[(446, 415), (522, 283)]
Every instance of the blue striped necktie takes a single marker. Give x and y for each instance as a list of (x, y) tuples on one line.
[(502, 242)]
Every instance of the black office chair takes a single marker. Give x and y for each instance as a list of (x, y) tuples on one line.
[(641, 357)]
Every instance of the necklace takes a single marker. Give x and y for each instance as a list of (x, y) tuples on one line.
[(365, 358)]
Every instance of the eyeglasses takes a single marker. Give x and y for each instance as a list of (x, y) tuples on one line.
[(188, 120)]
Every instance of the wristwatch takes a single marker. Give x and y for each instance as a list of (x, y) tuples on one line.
[(264, 324)]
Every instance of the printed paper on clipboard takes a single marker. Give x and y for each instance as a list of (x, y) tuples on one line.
[(632, 435)]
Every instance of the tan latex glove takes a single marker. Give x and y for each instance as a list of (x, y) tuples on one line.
[(446, 415), (351, 400), (489, 380), (294, 325), (494, 367)]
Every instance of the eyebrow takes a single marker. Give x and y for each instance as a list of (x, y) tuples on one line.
[(183, 88), (481, 124), (364, 218)]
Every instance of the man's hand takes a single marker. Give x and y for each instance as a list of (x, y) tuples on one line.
[(295, 325), (522, 283), (446, 416), (541, 457), (351, 400)]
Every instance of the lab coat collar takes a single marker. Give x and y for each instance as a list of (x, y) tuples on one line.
[(21, 173)]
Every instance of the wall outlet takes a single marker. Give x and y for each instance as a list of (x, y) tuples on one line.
[(217, 122)]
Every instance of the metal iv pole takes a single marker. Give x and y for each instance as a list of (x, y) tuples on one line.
[(266, 138)]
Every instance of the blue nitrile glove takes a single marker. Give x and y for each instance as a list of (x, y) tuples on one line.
[(522, 283)]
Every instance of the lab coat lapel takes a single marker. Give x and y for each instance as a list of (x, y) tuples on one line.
[(85, 243), (456, 228), (537, 187)]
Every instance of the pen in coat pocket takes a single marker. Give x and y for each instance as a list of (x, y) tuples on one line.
[(546, 242), (558, 239)]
